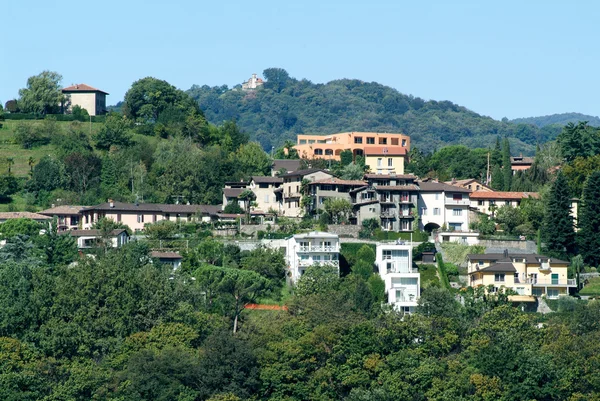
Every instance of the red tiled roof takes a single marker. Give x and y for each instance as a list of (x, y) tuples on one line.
[(82, 88), (503, 195), (337, 181), (390, 176), (393, 150)]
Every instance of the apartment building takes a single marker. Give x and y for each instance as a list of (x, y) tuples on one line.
[(313, 248), (443, 205), (292, 189), (264, 190), (332, 188), (402, 280), (485, 201), (330, 147), (529, 275)]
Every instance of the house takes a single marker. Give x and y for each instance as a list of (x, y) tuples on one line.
[(67, 216), (331, 146), (289, 165), (385, 159), (172, 259), (232, 192), (91, 99), (402, 280), (528, 275), (332, 188), (264, 191), (485, 202), (292, 189), (313, 248), (471, 184), (40, 218), (441, 205), (87, 239), (137, 215), (252, 83), (520, 163)]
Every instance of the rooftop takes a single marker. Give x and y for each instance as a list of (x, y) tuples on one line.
[(82, 88), (154, 207), (433, 186), (393, 150), (267, 180), (288, 164), (63, 209), (529, 257), (338, 181), (165, 255), (390, 176), (503, 195), (303, 172), (23, 215), (316, 234)]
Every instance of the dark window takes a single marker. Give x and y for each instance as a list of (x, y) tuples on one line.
[(358, 139), (371, 141), (383, 141)]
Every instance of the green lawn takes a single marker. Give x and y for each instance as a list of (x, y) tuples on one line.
[(428, 275), (283, 297), (592, 287)]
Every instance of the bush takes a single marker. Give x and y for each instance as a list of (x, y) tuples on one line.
[(424, 247), (442, 272)]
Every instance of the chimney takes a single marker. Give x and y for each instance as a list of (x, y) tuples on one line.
[(453, 180), (111, 203), (53, 206), (506, 253)]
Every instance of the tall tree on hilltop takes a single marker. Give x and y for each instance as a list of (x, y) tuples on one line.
[(276, 78), (558, 232), (506, 169), (43, 94), (589, 220)]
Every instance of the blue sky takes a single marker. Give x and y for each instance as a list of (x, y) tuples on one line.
[(502, 58)]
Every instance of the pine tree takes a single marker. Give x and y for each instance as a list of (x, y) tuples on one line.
[(589, 220), (108, 178), (506, 168), (558, 231), (497, 178), (497, 153)]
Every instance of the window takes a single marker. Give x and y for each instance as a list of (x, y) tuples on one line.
[(516, 278), (437, 196), (304, 256), (154, 218), (302, 142), (383, 141), (379, 161), (310, 141), (552, 293), (507, 203), (329, 152), (480, 202), (395, 141), (266, 198), (492, 202), (74, 220), (423, 211), (480, 263), (371, 141), (358, 139), (317, 258), (436, 211), (499, 277), (140, 218), (536, 292), (404, 142), (119, 217), (457, 197), (456, 212), (318, 152), (390, 162), (555, 279)]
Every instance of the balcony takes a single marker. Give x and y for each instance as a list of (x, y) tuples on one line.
[(290, 195), (384, 199), (309, 262), (319, 248), (455, 202), (570, 282), (388, 214), (545, 267), (406, 215), (402, 269)]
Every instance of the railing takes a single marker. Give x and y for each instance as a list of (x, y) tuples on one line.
[(455, 202), (539, 281), (406, 215), (402, 270), (308, 262), (293, 195), (386, 200), (319, 248), (388, 214)]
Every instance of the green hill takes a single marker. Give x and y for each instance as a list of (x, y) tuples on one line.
[(558, 119), (285, 107)]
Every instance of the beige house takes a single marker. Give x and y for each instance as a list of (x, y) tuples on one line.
[(528, 275), (470, 184), (520, 163), (253, 83), (68, 217), (86, 97), (385, 159), (291, 190), (136, 216), (264, 191), (483, 200)]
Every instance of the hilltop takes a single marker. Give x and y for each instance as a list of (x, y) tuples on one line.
[(284, 107), (558, 119)]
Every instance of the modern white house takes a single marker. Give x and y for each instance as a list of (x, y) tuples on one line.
[(313, 248), (402, 281), (87, 239)]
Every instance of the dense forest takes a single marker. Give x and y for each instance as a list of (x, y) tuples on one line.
[(558, 119), (284, 107)]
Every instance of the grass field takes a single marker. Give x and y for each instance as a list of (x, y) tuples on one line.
[(592, 287), (428, 275)]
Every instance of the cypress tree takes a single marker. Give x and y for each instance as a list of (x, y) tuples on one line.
[(497, 178), (589, 220), (558, 231), (506, 168)]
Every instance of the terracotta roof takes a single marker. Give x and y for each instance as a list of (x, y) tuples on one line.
[(64, 209), (165, 255), (154, 208), (23, 215), (93, 232), (432, 186), (233, 192), (288, 164), (337, 181), (389, 150), (82, 88), (521, 160), (390, 176), (303, 172), (267, 180), (358, 189), (503, 195)]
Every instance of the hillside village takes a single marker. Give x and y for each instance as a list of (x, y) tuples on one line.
[(148, 242)]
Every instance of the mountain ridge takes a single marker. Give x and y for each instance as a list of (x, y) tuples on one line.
[(558, 119)]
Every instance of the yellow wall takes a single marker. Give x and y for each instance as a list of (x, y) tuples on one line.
[(396, 167)]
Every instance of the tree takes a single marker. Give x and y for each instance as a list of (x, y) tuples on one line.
[(352, 172), (247, 196), (276, 79), (579, 140), (8, 186), (339, 209), (11, 106), (589, 221), (506, 165), (317, 279), (79, 113), (114, 132), (160, 230), (233, 207), (509, 218), (251, 160), (497, 178), (558, 232), (48, 175), (346, 157), (269, 263), (485, 225), (368, 228), (22, 226), (43, 94)]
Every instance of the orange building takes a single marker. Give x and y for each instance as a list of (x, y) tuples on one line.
[(329, 147)]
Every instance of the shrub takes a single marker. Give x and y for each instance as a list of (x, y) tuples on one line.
[(424, 247)]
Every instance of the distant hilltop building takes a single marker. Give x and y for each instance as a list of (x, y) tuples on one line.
[(253, 83), (87, 97)]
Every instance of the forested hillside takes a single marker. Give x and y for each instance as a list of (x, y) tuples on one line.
[(558, 119), (285, 107)]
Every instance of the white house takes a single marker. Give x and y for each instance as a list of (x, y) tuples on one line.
[(172, 259), (92, 238), (442, 204), (402, 281), (313, 248)]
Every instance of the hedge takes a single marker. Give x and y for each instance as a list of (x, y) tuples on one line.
[(58, 117), (442, 271)]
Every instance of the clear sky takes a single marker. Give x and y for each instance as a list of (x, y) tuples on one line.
[(499, 58)]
